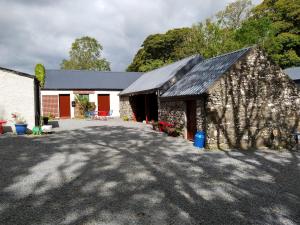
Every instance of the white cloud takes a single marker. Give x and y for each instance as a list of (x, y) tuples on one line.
[(35, 31)]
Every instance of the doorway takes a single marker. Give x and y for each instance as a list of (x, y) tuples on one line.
[(103, 104), (191, 117), (64, 106)]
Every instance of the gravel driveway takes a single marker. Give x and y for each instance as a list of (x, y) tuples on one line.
[(117, 172)]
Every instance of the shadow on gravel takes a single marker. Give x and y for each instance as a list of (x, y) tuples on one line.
[(123, 175)]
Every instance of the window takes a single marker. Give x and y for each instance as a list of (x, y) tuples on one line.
[(84, 96)]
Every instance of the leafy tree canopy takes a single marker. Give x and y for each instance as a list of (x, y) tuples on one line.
[(86, 54), (158, 50), (274, 25)]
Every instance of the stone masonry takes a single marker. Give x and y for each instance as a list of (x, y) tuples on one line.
[(254, 104), (172, 112), (126, 110)]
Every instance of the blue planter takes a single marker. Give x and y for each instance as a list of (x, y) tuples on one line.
[(21, 129), (199, 140)]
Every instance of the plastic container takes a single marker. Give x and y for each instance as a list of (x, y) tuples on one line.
[(2, 122), (199, 139), (21, 129)]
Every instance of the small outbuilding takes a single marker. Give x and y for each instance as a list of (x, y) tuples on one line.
[(240, 100), (140, 102), (100, 88), (19, 93)]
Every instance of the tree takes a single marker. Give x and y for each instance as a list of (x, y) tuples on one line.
[(40, 74), (158, 50), (86, 54), (274, 25), (284, 44), (234, 14), (208, 39), (254, 31)]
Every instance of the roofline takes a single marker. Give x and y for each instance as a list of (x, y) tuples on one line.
[(95, 71), (192, 57), (18, 73), (247, 50), (149, 91), (293, 67), (228, 53), (80, 89), (182, 97)]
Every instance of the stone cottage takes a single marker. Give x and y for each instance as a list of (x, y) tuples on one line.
[(240, 99)]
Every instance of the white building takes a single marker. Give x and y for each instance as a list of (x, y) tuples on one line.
[(19, 93), (101, 88)]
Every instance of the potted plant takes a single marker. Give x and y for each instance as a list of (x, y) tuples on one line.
[(45, 120), (20, 124)]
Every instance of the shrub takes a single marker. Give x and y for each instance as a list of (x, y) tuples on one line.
[(40, 74), (84, 104), (125, 118)]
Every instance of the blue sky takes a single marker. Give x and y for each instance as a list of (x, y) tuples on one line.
[(41, 31)]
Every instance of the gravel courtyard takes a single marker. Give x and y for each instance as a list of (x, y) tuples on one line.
[(114, 172)]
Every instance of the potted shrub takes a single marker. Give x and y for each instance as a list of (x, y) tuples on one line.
[(20, 124)]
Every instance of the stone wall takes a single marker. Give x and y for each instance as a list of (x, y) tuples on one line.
[(201, 113), (126, 108), (172, 112), (255, 104)]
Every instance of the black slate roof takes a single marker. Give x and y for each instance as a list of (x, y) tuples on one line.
[(293, 72), (204, 74), (88, 80)]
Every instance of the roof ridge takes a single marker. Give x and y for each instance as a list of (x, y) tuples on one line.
[(94, 71), (17, 72), (189, 57), (228, 53)]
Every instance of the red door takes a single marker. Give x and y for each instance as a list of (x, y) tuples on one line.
[(64, 106), (103, 105), (191, 116)]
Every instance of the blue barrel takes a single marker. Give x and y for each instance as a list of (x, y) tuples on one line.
[(199, 140)]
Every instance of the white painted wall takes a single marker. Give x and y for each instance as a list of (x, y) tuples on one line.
[(72, 98), (17, 95), (114, 99)]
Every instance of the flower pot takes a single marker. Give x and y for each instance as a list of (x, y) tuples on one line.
[(21, 129), (45, 120), (47, 128)]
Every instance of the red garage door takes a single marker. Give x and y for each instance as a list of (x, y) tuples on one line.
[(103, 104), (64, 106)]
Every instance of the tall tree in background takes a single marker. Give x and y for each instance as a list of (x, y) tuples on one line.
[(86, 54), (158, 50), (234, 14), (284, 43), (274, 25)]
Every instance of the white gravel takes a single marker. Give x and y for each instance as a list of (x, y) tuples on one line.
[(114, 172)]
